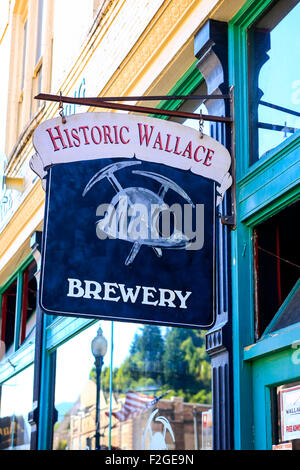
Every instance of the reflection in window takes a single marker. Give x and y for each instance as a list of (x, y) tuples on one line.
[(75, 391), (274, 80), (160, 395), (15, 404)]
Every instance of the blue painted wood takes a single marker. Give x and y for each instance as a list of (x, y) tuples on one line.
[(210, 48)]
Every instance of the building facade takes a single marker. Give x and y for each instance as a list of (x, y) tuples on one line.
[(246, 368)]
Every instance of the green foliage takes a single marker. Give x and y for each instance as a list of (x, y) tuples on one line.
[(61, 445), (176, 362)]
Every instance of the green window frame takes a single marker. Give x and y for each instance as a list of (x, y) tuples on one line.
[(22, 355), (263, 189)]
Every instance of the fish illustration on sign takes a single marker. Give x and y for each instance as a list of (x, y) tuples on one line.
[(134, 213)]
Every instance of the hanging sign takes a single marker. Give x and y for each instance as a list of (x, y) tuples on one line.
[(290, 413), (129, 230)]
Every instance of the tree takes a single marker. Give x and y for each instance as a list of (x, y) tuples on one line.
[(177, 362)]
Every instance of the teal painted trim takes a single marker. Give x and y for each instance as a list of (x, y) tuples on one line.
[(262, 189), (287, 146), (64, 328), (276, 341), (18, 361), (18, 310), (45, 430), (270, 180), (274, 370), (186, 85), (243, 334), (282, 309)]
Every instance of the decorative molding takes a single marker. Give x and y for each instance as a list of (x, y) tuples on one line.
[(22, 217), (155, 35)]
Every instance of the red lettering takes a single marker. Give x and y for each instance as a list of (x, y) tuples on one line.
[(145, 136), (121, 135), (74, 134), (176, 146), (68, 137), (107, 137), (59, 136), (209, 156), (83, 128), (167, 144), (289, 429), (93, 136), (196, 153), (188, 149), (158, 141), (116, 134)]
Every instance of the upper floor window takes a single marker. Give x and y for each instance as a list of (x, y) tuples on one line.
[(274, 77), (30, 63), (38, 66)]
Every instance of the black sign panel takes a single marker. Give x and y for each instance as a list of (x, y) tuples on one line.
[(129, 240)]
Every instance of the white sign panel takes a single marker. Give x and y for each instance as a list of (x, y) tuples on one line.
[(90, 136), (290, 413), (129, 218)]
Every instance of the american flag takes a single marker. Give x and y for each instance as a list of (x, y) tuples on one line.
[(134, 404)]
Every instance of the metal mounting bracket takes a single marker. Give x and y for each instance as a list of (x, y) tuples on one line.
[(230, 220)]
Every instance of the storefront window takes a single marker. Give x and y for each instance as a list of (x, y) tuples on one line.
[(274, 75), (15, 404), (285, 414), (158, 397), (18, 311)]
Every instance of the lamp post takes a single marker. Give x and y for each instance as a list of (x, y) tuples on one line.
[(99, 348)]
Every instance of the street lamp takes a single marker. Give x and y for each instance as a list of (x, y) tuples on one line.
[(99, 348)]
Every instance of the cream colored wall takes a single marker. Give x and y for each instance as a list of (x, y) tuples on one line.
[(4, 76)]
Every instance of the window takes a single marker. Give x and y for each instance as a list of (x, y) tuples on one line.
[(277, 264), (148, 362), (274, 77), (37, 75), (23, 62), (8, 317), (30, 63), (18, 311), (16, 395), (29, 292)]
